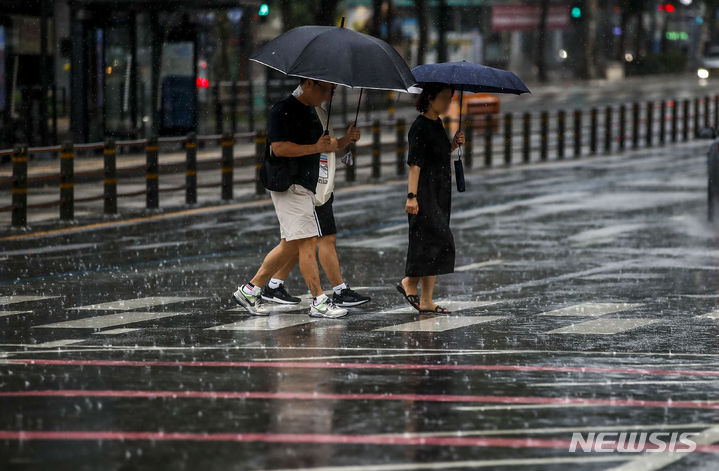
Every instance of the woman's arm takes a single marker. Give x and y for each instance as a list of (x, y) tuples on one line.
[(457, 141), (411, 206)]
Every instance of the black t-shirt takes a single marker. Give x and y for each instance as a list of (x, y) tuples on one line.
[(292, 121)]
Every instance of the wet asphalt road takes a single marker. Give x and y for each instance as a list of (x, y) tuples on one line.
[(585, 299)]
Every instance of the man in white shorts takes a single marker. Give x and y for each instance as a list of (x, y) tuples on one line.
[(296, 139), (343, 295)]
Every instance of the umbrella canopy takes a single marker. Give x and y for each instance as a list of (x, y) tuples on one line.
[(337, 55), (469, 77)]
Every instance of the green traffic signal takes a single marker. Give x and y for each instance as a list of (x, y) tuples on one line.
[(264, 10), (576, 12)]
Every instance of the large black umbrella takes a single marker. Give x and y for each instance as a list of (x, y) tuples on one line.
[(337, 55)]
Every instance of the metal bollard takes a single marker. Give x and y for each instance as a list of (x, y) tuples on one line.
[(228, 160), (67, 181), (608, 130), (152, 174), (697, 116), (401, 146), (713, 180), (650, 123), (577, 133), (561, 119), (635, 126), (110, 153), (707, 102), (508, 139), (675, 120), (488, 131), (260, 144), (544, 135), (663, 122), (468, 145), (19, 186), (594, 122), (191, 169), (622, 127), (376, 149), (685, 127), (526, 137)]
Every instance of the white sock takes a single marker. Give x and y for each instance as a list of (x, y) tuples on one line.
[(251, 289), (320, 299), (338, 289), (275, 283)]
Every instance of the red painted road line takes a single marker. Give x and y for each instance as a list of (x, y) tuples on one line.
[(323, 438), (288, 395), (371, 366)]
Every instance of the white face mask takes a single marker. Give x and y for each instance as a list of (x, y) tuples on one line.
[(298, 91)]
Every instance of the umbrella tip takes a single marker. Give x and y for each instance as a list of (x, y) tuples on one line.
[(342, 24)]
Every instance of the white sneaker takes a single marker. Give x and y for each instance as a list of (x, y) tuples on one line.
[(249, 301), (324, 307)]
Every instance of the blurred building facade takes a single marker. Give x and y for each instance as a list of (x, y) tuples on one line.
[(89, 69)]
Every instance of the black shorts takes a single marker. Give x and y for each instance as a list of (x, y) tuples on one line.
[(326, 217)]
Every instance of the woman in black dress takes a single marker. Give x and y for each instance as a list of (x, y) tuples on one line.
[(429, 199)]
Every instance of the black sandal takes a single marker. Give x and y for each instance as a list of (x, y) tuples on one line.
[(412, 299), (437, 310)]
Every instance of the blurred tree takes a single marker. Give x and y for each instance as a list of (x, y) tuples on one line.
[(588, 69), (540, 59), (420, 7), (442, 27), (301, 12)]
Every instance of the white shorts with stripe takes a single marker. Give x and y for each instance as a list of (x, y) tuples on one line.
[(295, 209)]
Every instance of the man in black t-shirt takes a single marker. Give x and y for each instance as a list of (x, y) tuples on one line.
[(296, 140)]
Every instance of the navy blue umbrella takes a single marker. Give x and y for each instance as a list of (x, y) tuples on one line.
[(468, 77)]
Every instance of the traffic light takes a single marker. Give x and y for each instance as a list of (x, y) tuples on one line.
[(576, 11), (264, 10)]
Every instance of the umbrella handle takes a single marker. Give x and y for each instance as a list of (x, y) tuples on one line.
[(359, 102), (329, 113)]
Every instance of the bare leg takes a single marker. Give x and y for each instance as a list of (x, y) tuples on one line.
[(274, 260), (308, 264), (427, 292), (284, 272), (328, 259), (410, 284)]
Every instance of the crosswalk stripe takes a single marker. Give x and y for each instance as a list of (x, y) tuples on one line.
[(453, 306), (110, 320), (709, 315), (55, 343), (276, 322), (439, 324), (116, 331), (12, 313), (474, 266), (591, 309), (4, 300), (128, 304), (603, 326)]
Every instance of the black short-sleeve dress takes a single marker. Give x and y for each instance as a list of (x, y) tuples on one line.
[(431, 244)]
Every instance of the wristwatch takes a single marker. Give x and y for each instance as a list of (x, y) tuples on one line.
[(411, 196)]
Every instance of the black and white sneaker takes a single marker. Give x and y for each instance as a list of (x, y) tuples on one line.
[(278, 295), (349, 298)]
